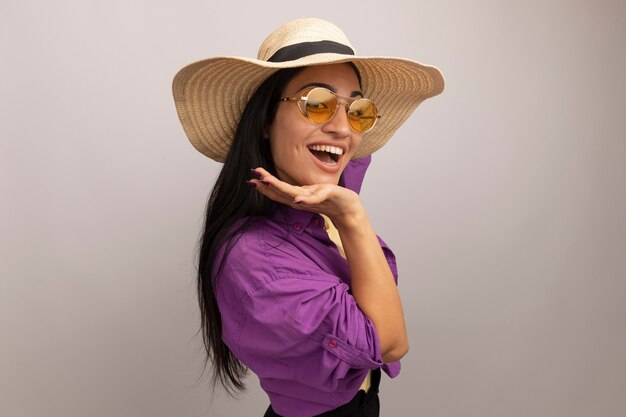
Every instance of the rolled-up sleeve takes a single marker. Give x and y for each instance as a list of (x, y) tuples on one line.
[(297, 327), (310, 330)]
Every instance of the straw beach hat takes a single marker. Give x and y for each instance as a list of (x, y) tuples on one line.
[(210, 95)]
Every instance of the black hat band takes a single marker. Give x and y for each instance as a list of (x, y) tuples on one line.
[(300, 50)]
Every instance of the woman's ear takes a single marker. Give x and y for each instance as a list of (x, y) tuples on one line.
[(266, 134)]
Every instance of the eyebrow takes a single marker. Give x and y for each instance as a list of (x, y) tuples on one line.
[(355, 93)]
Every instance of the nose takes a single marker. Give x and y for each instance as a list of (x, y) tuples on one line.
[(339, 124)]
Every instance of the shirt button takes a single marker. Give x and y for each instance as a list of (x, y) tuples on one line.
[(332, 343), (315, 221), (297, 226)]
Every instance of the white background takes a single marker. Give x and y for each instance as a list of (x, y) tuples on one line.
[(504, 200)]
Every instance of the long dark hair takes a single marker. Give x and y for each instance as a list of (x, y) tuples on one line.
[(232, 199)]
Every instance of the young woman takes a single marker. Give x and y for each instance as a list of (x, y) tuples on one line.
[(293, 282)]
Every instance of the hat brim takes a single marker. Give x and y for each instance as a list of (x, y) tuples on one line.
[(210, 95)]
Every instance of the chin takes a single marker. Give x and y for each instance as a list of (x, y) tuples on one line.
[(322, 179)]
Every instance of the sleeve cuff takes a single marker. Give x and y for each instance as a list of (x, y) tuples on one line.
[(353, 356)]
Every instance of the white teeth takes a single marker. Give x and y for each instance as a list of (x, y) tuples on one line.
[(327, 148)]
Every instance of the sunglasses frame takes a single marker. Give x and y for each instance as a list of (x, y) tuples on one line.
[(302, 99)]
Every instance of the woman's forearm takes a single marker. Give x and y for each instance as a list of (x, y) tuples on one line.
[(373, 286)]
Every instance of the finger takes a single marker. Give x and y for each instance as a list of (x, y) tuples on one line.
[(276, 195), (316, 195), (283, 187), (270, 191)]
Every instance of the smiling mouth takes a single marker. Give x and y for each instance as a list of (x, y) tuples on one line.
[(326, 153)]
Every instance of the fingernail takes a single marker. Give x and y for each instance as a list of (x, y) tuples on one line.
[(255, 174), (251, 184)]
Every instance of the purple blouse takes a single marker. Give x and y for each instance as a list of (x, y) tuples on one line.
[(288, 313)]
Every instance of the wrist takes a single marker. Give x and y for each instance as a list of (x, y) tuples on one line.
[(351, 220)]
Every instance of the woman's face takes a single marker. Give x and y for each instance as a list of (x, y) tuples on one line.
[(293, 137)]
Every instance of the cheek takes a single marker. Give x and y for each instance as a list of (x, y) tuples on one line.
[(287, 134), (357, 141), (354, 145), (278, 137)]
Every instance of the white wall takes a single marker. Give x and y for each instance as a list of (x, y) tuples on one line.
[(504, 199)]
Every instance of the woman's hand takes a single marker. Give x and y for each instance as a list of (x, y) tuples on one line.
[(341, 205)]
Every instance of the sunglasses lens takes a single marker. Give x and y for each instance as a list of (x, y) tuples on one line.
[(320, 105), (362, 115)]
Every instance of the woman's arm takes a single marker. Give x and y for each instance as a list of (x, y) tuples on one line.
[(373, 286)]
